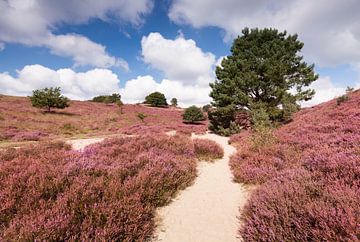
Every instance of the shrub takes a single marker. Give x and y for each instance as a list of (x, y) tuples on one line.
[(141, 116), (297, 206), (342, 99), (308, 175), (113, 98), (49, 98), (193, 114), (207, 149), (156, 99), (107, 192)]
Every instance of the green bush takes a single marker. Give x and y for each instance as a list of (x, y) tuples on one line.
[(342, 99), (49, 98), (156, 99), (193, 114), (113, 98), (141, 116)]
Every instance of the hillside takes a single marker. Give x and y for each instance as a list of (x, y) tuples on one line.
[(20, 121), (308, 176)]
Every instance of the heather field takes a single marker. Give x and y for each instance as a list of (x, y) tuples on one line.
[(307, 173), (107, 192), (19, 121)]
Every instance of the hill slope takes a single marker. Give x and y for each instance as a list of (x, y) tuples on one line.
[(309, 176), (20, 121)]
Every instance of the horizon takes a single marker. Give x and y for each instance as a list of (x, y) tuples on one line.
[(129, 47)]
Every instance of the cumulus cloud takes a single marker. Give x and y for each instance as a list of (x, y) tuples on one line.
[(32, 22), (83, 51), (85, 85), (75, 85), (135, 91), (179, 59), (325, 90), (330, 29)]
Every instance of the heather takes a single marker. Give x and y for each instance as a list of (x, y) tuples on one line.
[(20, 121), (309, 176), (208, 150), (107, 192)]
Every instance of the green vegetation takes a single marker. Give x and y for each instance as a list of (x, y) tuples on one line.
[(206, 108), (113, 98), (193, 114), (141, 116), (156, 99), (49, 98), (263, 67), (174, 102)]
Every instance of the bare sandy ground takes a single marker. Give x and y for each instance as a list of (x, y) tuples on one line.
[(80, 144), (209, 209)]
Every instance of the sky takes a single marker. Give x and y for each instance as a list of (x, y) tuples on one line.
[(91, 47)]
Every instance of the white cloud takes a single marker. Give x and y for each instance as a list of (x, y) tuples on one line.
[(2, 46), (179, 59), (75, 85), (83, 51), (85, 85), (136, 90), (325, 90), (330, 29), (32, 22)]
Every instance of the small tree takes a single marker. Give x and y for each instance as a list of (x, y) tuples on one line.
[(156, 99), (193, 114), (174, 102), (206, 108), (49, 98)]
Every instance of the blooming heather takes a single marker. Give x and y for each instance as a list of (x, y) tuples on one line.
[(310, 177), (20, 121), (107, 192), (208, 150)]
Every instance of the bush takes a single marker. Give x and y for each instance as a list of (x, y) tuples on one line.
[(156, 99), (49, 98), (297, 206), (107, 192), (207, 149), (221, 118), (141, 116), (342, 99), (113, 98), (308, 171), (193, 114)]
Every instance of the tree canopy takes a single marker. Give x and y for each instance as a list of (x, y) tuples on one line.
[(193, 114), (113, 98), (156, 99), (49, 98), (264, 71), (174, 102)]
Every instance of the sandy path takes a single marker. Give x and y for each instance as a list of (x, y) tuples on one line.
[(80, 144), (208, 210)]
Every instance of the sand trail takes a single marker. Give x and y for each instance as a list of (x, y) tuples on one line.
[(209, 209)]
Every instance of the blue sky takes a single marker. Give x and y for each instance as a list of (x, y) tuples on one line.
[(135, 47)]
